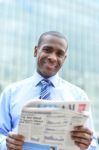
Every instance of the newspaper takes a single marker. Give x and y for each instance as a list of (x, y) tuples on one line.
[(46, 125)]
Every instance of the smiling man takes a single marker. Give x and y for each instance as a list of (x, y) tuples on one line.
[(50, 53)]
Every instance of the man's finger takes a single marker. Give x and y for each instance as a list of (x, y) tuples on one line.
[(15, 136), (14, 141), (11, 146), (82, 135), (82, 146), (83, 129)]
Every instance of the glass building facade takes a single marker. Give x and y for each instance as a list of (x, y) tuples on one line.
[(22, 22)]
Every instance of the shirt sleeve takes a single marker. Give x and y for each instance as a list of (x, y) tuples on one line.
[(5, 118), (3, 142), (89, 124), (94, 143)]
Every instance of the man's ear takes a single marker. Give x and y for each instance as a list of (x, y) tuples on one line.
[(35, 51), (65, 57)]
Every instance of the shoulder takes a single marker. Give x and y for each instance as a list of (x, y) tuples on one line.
[(75, 91), (16, 86)]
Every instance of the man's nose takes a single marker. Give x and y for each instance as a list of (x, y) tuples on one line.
[(52, 57)]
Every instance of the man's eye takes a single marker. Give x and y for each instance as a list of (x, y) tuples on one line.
[(60, 54), (46, 50)]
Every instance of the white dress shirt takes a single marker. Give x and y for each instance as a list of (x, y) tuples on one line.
[(15, 96)]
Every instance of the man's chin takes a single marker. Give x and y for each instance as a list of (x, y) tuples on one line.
[(47, 74)]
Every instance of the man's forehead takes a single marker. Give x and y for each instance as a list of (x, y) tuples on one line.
[(53, 39)]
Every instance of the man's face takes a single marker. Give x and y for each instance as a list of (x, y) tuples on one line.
[(50, 55)]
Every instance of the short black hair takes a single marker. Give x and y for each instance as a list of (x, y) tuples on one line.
[(54, 33)]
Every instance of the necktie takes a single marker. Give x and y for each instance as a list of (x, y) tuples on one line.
[(45, 84)]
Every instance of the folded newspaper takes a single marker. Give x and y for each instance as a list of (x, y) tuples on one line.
[(46, 125)]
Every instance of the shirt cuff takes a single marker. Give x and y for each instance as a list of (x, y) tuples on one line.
[(3, 144), (93, 145)]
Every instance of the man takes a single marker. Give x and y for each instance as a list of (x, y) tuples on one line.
[(50, 53)]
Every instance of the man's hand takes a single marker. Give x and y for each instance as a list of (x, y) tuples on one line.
[(82, 137), (14, 141)]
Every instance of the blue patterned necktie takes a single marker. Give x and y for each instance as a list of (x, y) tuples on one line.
[(44, 93)]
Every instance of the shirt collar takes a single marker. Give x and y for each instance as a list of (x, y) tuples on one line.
[(37, 78)]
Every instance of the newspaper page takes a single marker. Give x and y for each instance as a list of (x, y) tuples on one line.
[(47, 125)]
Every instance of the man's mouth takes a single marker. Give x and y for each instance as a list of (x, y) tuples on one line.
[(50, 66)]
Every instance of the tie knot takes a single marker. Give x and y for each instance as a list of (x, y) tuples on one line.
[(45, 82)]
